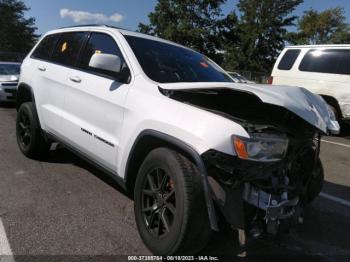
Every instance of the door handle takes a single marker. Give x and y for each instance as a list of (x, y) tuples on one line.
[(42, 68), (75, 79)]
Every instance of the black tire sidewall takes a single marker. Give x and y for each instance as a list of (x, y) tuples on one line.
[(168, 162), (35, 146), (316, 184)]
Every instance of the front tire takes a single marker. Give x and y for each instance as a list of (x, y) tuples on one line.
[(316, 183), (30, 139), (170, 209)]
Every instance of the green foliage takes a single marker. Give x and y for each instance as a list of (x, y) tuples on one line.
[(327, 27), (192, 23), (249, 38), (249, 42), (262, 31), (17, 32), (230, 41)]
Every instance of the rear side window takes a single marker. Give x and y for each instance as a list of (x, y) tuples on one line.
[(288, 59), (100, 43), (45, 47), (67, 49), (344, 62), (331, 61)]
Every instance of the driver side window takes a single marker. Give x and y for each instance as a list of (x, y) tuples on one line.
[(101, 44)]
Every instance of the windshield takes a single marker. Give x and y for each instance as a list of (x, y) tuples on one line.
[(167, 63), (9, 69)]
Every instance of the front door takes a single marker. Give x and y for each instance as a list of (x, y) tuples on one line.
[(95, 101)]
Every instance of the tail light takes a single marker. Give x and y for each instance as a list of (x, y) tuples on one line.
[(270, 80)]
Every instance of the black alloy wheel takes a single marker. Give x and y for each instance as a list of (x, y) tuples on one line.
[(24, 129), (30, 138), (169, 204), (159, 202)]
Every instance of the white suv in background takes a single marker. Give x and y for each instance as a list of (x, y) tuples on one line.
[(322, 69), (174, 130)]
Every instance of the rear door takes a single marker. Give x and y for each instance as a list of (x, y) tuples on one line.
[(59, 53), (47, 87), (95, 102)]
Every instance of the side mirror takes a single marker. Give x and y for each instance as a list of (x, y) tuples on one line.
[(106, 62)]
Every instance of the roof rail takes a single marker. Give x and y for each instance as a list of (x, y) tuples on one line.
[(72, 26), (87, 25)]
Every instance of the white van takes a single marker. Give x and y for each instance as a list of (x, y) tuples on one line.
[(322, 69)]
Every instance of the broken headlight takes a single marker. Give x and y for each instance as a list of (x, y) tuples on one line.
[(261, 147)]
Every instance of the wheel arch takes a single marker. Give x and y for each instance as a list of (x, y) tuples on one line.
[(24, 94), (148, 140), (333, 102)]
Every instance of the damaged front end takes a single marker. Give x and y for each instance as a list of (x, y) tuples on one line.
[(259, 196), (275, 172)]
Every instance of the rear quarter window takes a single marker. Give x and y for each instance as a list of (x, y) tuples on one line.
[(45, 47), (288, 59), (330, 61), (68, 47)]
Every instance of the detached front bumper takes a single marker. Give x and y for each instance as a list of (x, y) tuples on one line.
[(8, 91), (234, 202), (249, 193), (276, 207)]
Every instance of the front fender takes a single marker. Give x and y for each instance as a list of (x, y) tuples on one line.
[(200, 129)]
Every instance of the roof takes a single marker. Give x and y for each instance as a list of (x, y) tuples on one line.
[(120, 30)]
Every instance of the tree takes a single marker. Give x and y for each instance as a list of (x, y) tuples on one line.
[(230, 42), (17, 32), (327, 27), (261, 33), (193, 23)]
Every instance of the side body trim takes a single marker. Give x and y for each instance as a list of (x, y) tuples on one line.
[(91, 161)]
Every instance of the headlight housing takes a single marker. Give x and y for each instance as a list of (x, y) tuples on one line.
[(261, 147)]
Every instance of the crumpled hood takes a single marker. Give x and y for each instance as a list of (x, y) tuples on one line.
[(9, 78), (310, 107)]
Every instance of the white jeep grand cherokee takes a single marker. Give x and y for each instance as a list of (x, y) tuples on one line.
[(171, 127)]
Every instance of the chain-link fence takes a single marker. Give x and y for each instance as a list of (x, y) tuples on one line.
[(11, 56)]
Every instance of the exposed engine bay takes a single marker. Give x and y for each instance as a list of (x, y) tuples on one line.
[(260, 194)]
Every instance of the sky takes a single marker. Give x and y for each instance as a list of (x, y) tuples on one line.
[(51, 14)]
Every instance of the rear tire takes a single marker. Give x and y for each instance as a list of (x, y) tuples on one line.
[(30, 138), (188, 229)]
